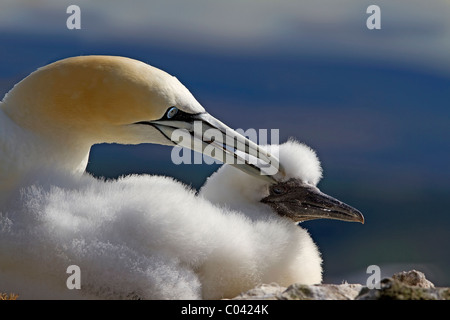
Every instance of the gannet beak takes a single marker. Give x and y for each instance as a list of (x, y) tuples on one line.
[(300, 202), (205, 134)]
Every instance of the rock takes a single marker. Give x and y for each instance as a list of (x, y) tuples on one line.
[(393, 289), (413, 278), (262, 292), (410, 285), (405, 285), (321, 292), (302, 292)]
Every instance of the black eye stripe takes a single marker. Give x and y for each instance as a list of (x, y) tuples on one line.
[(175, 114)]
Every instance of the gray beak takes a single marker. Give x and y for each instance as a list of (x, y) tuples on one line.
[(205, 134), (300, 202)]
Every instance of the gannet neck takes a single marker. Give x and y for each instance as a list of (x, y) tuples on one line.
[(22, 152), (236, 190), (22, 149)]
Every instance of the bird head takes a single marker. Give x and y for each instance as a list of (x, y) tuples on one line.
[(96, 99), (297, 196), (294, 196)]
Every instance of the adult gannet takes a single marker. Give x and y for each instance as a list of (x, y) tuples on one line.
[(54, 116), (151, 237)]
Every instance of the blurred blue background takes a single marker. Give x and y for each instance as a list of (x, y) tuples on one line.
[(374, 104)]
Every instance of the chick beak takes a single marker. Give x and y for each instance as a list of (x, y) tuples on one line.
[(300, 202)]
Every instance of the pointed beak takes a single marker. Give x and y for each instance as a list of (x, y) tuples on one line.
[(205, 134), (300, 202)]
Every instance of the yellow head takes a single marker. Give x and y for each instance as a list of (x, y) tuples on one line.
[(97, 99)]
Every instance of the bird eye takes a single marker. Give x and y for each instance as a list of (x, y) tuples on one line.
[(278, 190), (172, 112)]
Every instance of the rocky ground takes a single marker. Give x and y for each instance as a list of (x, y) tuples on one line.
[(406, 285)]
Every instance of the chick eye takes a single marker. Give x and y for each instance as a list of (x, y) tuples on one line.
[(172, 112), (278, 190)]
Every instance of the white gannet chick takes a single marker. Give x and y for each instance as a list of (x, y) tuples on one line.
[(53, 117), (294, 199)]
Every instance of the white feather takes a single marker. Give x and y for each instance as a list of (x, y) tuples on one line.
[(147, 237)]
